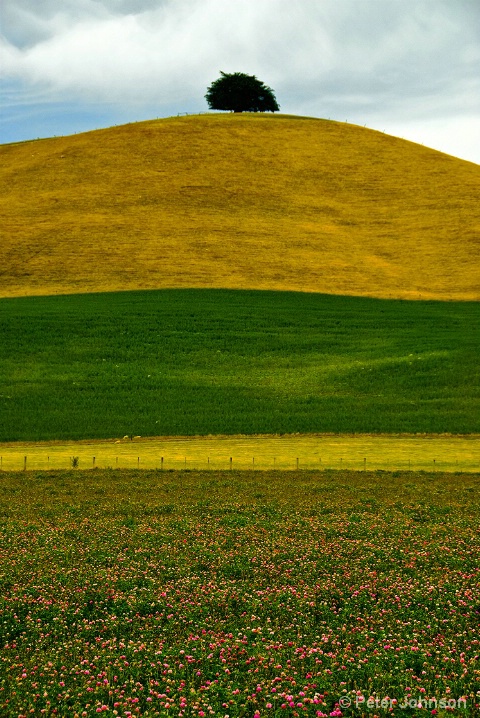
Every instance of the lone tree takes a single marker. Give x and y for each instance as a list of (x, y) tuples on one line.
[(238, 92)]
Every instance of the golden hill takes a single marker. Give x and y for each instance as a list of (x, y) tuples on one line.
[(238, 201)]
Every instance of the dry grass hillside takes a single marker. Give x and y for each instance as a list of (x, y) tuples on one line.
[(238, 201)]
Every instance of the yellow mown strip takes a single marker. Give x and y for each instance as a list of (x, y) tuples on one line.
[(445, 453)]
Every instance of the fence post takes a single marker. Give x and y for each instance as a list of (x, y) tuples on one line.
[(93, 462), (365, 464), (297, 462), (230, 463), (161, 464), (253, 463), (24, 463)]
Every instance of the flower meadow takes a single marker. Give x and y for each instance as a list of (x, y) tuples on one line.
[(130, 593)]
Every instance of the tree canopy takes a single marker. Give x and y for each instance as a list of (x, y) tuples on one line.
[(239, 92)]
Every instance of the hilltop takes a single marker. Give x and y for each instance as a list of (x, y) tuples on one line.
[(238, 201)]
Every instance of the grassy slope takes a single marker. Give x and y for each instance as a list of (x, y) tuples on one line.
[(240, 202), (206, 362)]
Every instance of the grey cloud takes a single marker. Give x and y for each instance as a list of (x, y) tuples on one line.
[(372, 60), (26, 23)]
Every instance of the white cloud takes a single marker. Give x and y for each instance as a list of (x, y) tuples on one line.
[(458, 136), (408, 62)]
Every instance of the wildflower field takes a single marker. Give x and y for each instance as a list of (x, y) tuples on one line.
[(189, 593)]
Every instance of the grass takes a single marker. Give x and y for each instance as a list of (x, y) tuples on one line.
[(239, 594), (244, 202), (325, 451), (190, 362)]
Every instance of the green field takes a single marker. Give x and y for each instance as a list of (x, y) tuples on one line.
[(238, 593), (198, 362)]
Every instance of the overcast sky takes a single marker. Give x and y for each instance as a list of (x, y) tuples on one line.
[(409, 67)]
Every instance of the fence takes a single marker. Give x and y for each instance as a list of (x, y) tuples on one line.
[(56, 461), (267, 452)]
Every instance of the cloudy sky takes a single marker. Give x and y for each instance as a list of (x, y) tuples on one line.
[(410, 68)]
